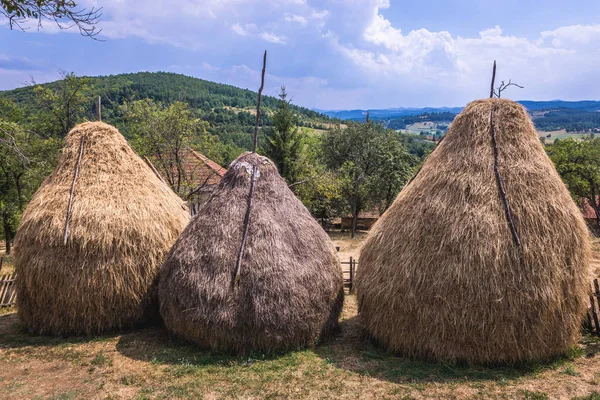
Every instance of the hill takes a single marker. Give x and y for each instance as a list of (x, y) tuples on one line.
[(229, 110), (555, 115), (396, 113)]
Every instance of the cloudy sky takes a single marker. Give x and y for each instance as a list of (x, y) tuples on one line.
[(333, 54)]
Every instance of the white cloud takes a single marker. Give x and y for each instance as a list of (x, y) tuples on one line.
[(346, 53), (273, 38), (295, 18)]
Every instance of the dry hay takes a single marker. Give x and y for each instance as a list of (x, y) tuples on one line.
[(122, 224), (440, 275), (290, 287)]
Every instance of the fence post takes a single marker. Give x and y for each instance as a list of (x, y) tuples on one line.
[(351, 275)]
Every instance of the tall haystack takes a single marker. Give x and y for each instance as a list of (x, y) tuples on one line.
[(289, 289), (442, 276), (98, 271)]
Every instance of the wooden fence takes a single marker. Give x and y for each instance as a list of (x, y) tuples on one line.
[(592, 324), (8, 292), (349, 273)]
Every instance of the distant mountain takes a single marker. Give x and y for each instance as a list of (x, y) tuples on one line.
[(582, 105), (394, 113), (388, 113)]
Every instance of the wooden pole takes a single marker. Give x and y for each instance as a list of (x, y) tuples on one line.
[(493, 80), (68, 218), (499, 182), (99, 109), (262, 85), (351, 275), (240, 255), (594, 315)]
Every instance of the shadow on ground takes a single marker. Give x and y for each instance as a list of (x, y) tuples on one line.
[(157, 346), (13, 335), (353, 351)]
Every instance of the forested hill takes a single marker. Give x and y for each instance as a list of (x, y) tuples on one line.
[(228, 111), (218, 103)]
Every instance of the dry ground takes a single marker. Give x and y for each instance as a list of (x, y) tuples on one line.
[(148, 364), (348, 247)]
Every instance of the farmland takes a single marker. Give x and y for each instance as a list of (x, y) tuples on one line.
[(148, 364)]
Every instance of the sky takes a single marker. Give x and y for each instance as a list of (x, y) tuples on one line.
[(332, 54)]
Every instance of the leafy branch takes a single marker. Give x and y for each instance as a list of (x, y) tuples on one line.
[(64, 13)]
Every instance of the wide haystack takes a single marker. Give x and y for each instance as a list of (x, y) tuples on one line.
[(289, 292), (122, 223), (442, 277)]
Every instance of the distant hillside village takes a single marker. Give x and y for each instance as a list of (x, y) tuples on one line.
[(347, 173)]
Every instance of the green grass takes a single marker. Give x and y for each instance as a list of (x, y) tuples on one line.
[(148, 364)]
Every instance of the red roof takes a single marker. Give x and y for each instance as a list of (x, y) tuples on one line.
[(201, 169), (588, 211)]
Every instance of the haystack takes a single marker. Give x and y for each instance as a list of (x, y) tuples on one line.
[(122, 222), (289, 291), (441, 275)]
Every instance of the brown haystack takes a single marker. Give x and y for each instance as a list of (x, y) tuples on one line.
[(290, 287), (122, 224), (441, 276)]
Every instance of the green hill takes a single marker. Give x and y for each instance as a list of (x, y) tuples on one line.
[(229, 110)]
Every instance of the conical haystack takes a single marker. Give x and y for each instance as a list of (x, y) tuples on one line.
[(441, 275), (122, 223), (289, 291)]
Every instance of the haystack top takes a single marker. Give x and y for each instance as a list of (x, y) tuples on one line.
[(246, 162)]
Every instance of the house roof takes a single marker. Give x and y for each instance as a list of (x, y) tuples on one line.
[(201, 169), (588, 211)]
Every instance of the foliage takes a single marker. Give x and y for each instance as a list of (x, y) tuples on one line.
[(65, 13), (317, 187), (371, 163), (25, 159), (283, 141), (569, 119), (61, 106), (578, 163)]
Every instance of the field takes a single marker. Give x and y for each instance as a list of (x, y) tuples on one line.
[(561, 135), (148, 364)]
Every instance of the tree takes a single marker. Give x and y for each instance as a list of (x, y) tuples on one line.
[(578, 163), (317, 187), (371, 163), (164, 134), (25, 159), (283, 141), (64, 13), (62, 105)]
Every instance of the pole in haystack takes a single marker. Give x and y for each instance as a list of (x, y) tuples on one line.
[(99, 109), (70, 204), (240, 255), (499, 182)]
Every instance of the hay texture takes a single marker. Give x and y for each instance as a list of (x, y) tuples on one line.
[(440, 276), (123, 222), (290, 289)]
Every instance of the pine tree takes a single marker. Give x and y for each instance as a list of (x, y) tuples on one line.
[(283, 142)]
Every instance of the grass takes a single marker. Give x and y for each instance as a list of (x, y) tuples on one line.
[(148, 364)]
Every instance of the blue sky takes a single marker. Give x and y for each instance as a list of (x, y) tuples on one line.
[(332, 54)]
